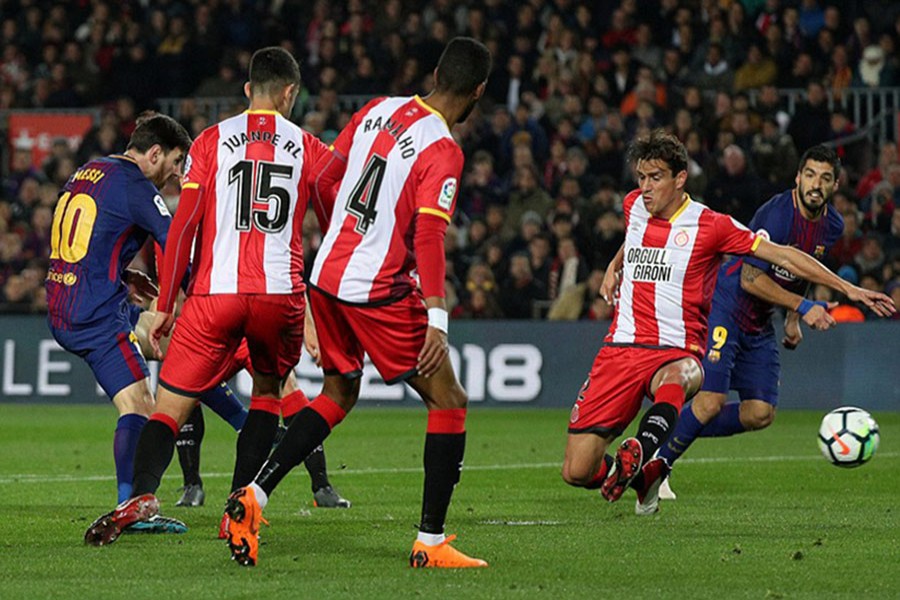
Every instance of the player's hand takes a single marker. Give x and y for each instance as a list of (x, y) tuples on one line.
[(161, 327), (609, 285), (818, 318), (878, 303), (141, 289), (793, 335), (433, 352), (311, 339)]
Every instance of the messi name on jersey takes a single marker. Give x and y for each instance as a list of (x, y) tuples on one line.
[(650, 264)]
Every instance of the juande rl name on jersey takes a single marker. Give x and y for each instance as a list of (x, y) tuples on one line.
[(650, 264), (234, 142)]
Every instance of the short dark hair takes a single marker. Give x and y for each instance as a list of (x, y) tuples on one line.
[(822, 153), (659, 145), (464, 65), (272, 69), (153, 128)]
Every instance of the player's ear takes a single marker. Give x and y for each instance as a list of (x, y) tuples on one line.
[(155, 153), (247, 90), (681, 179), (479, 91)]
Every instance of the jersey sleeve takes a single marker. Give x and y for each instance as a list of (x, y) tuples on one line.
[(149, 211), (197, 163), (772, 221), (439, 169), (732, 237), (345, 139)]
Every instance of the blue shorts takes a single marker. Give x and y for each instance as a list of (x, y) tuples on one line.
[(746, 363), (109, 348)]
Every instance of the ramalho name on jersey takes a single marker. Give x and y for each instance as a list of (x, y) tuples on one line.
[(103, 217), (401, 161), (669, 273), (253, 171), (779, 220)]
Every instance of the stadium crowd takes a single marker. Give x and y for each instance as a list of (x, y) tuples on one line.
[(539, 208)]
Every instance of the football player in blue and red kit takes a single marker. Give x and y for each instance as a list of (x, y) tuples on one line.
[(742, 353)]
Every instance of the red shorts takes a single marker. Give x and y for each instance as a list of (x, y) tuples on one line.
[(240, 361), (617, 384), (392, 335), (210, 330)]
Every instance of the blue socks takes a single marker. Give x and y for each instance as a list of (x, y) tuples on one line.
[(688, 428), (224, 403), (128, 431), (727, 422)]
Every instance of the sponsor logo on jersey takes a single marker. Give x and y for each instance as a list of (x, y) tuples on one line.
[(161, 206), (649, 264), (448, 191), (67, 279)]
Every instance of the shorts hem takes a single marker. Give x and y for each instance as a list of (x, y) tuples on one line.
[(354, 374), (375, 304), (181, 392), (596, 430), (402, 376)]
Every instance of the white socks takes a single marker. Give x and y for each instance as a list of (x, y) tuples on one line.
[(431, 539), (261, 497)]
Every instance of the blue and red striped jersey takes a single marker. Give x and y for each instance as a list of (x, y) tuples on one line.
[(103, 217), (780, 221)]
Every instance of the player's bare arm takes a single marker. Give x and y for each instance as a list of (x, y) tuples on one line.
[(805, 266), (755, 281), (793, 335), (611, 278), (436, 346), (311, 338)]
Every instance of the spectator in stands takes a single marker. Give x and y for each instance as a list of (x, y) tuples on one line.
[(870, 258), (811, 122), (582, 301), (735, 190), (850, 242), (520, 290), (873, 70), (887, 156), (567, 267), (480, 296), (757, 71), (774, 154)]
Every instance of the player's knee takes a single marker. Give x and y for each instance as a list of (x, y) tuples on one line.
[(757, 415), (707, 406), (574, 476)]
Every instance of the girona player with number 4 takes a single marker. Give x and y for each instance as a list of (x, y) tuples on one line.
[(246, 187), (399, 170), (668, 263)]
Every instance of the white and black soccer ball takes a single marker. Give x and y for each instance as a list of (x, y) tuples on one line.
[(848, 436)]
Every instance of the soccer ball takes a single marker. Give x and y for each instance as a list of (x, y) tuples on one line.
[(848, 436)]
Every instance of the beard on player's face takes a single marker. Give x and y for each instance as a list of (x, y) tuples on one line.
[(813, 198)]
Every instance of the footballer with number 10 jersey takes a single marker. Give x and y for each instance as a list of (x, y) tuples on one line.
[(104, 215), (246, 186)]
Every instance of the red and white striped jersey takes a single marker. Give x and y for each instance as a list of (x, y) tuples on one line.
[(253, 171), (669, 273), (401, 161)]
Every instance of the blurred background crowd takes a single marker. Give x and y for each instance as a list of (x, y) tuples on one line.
[(747, 86)]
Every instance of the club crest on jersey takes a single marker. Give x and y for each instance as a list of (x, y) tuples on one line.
[(161, 206), (819, 251), (714, 356), (448, 192), (682, 238)]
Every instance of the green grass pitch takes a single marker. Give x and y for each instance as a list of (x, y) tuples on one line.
[(760, 515)]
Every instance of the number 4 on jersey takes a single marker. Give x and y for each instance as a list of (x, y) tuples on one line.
[(362, 199)]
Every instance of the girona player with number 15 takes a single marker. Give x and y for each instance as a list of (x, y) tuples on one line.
[(246, 188)]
